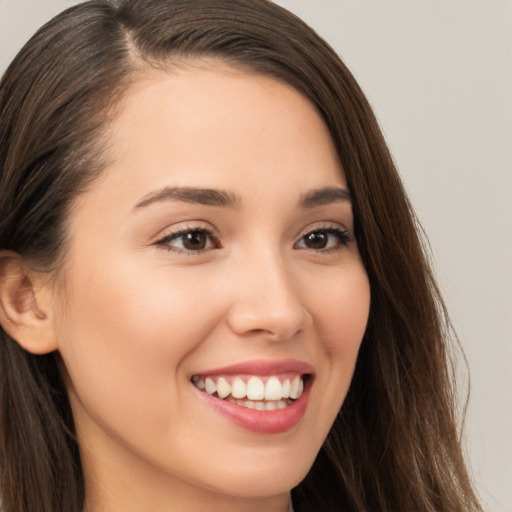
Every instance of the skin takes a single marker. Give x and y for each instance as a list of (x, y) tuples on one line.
[(138, 317)]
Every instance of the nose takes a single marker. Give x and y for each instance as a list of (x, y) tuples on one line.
[(266, 299)]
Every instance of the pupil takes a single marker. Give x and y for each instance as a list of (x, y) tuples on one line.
[(316, 240), (195, 240)]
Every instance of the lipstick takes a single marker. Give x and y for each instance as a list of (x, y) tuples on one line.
[(267, 397)]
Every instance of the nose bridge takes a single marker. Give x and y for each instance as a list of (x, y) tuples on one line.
[(267, 299)]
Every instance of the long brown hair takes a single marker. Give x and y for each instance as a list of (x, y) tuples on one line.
[(395, 444)]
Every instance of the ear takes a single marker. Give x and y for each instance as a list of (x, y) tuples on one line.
[(25, 305)]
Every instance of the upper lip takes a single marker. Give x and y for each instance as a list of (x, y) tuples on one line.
[(261, 367)]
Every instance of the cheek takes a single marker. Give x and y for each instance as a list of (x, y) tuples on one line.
[(339, 307), (342, 316), (133, 308), (125, 335), (341, 311)]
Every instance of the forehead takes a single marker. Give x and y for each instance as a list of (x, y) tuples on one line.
[(212, 126), (209, 114)]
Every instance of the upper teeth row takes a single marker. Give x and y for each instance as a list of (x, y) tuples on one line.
[(253, 389)]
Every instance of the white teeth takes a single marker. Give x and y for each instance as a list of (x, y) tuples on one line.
[(238, 388), (210, 386), (286, 388), (255, 389), (294, 388), (223, 387), (273, 389), (260, 405)]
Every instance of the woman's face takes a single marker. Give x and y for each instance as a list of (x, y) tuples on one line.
[(216, 251)]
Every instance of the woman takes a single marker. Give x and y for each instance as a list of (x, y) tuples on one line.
[(212, 287)]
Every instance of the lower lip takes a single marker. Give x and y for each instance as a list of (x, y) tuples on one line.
[(263, 422)]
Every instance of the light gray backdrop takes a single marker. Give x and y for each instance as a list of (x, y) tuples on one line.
[(439, 74)]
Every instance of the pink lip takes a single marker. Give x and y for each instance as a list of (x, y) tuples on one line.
[(262, 367), (264, 422)]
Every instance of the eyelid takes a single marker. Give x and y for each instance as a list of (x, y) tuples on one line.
[(346, 235), (324, 225), (184, 228)]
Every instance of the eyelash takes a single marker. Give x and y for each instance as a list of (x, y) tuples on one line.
[(180, 233), (344, 238)]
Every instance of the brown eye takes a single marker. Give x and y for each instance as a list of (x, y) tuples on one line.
[(326, 239), (190, 240), (195, 240), (316, 240)]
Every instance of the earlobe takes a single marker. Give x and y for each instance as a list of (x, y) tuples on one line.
[(25, 310)]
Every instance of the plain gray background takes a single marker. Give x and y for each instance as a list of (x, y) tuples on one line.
[(439, 75)]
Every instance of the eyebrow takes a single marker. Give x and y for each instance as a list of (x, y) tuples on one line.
[(324, 196), (221, 198), (205, 196)]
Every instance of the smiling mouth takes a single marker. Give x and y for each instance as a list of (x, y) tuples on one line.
[(262, 393)]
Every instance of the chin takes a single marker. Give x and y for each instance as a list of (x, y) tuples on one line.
[(263, 480)]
